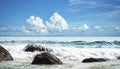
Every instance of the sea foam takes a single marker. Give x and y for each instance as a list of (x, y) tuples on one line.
[(69, 53), (67, 49)]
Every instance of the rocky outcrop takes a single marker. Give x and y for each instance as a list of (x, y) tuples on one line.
[(46, 58), (88, 60), (4, 55), (33, 47)]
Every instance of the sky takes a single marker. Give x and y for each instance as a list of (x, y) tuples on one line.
[(84, 18)]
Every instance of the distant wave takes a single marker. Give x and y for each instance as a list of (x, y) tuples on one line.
[(80, 44)]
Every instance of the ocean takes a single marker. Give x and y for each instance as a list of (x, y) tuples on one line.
[(70, 50)]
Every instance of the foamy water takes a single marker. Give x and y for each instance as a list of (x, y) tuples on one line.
[(71, 50)]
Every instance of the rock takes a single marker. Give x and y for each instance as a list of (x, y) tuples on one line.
[(118, 57), (46, 58), (33, 47), (4, 55), (88, 60)]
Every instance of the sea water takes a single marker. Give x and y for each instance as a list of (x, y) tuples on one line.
[(70, 50)]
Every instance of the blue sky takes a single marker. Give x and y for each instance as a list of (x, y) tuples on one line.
[(60, 18)]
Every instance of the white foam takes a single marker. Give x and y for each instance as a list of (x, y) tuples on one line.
[(69, 53), (82, 53), (17, 52)]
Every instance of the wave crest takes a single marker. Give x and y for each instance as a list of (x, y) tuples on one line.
[(80, 44)]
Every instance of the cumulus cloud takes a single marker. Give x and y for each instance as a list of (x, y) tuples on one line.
[(35, 21), (57, 23), (37, 24)]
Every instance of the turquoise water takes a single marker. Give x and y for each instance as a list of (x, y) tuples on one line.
[(80, 44)]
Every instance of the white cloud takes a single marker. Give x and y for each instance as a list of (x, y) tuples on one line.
[(92, 4), (117, 28), (57, 23), (111, 14), (83, 2), (74, 2), (85, 27), (97, 27), (35, 21), (82, 28), (37, 24), (23, 28)]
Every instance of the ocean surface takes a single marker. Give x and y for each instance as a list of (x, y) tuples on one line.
[(71, 51)]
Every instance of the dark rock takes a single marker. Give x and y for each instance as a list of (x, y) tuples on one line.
[(118, 57), (4, 55), (88, 60), (46, 58), (33, 47)]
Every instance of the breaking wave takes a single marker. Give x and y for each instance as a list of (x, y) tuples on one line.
[(80, 44)]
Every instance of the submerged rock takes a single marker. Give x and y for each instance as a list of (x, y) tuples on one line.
[(46, 58), (88, 60), (33, 47), (4, 55)]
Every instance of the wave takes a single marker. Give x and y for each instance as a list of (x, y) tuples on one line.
[(77, 50), (79, 44), (73, 51), (69, 53)]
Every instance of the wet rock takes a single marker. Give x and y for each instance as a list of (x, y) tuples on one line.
[(5, 55), (46, 58), (118, 57), (33, 47), (88, 60)]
